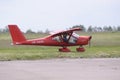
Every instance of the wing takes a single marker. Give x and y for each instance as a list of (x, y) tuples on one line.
[(66, 31)]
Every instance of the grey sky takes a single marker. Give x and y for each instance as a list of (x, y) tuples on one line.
[(58, 14)]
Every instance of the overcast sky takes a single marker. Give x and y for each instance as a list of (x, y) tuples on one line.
[(58, 14)]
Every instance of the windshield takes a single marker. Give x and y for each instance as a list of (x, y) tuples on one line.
[(75, 35)]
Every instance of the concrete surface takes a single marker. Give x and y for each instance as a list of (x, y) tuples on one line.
[(61, 69)]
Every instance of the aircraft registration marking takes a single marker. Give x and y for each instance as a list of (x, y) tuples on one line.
[(40, 41)]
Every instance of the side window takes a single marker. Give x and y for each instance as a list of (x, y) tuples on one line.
[(56, 38), (73, 40)]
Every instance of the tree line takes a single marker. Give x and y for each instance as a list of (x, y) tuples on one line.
[(98, 29), (84, 29)]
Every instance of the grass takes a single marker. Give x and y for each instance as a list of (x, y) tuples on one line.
[(104, 45)]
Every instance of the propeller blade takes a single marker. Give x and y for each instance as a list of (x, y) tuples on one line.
[(90, 41)]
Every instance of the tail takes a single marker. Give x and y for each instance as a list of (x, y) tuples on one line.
[(16, 34)]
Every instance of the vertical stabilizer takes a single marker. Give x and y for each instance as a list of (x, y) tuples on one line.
[(16, 34)]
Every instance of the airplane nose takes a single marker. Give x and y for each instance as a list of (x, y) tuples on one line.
[(88, 38), (84, 40)]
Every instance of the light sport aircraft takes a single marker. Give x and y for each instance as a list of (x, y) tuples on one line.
[(62, 39)]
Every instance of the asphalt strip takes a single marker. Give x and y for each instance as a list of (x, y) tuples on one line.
[(61, 69)]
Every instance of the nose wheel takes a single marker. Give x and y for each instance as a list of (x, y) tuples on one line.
[(64, 49), (80, 49)]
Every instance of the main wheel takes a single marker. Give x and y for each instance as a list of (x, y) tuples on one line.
[(65, 49), (81, 49)]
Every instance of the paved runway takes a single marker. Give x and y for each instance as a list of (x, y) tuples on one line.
[(61, 69)]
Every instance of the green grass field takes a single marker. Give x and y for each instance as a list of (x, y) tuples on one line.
[(104, 45)]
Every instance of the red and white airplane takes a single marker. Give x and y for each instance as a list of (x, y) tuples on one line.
[(63, 39)]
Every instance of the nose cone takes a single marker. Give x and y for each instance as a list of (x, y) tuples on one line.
[(84, 40)]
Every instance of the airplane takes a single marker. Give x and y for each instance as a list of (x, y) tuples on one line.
[(62, 38)]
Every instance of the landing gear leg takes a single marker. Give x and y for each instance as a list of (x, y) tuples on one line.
[(80, 49), (64, 49)]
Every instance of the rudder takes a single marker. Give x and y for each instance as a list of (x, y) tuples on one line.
[(16, 34)]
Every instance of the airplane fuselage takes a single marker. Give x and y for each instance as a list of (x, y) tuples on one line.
[(48, 41)]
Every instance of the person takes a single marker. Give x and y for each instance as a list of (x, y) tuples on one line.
[(65, 37)]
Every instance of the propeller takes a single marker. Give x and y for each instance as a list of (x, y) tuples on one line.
[(89, 41)]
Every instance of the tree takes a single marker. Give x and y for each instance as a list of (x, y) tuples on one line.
[(0, 30), (40, 32), (99, 29), (5, 29), (118, 28), (110, 28), (90, 29), (47, 31), (29, 31), (105, 28), (114, 28), (81, 27)]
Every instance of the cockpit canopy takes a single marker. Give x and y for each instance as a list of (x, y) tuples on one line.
[(66, 38)]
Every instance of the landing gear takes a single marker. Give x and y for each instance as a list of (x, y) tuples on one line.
[(64, 49), (80, 49)]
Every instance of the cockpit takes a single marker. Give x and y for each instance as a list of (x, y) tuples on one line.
[(68, 38)]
